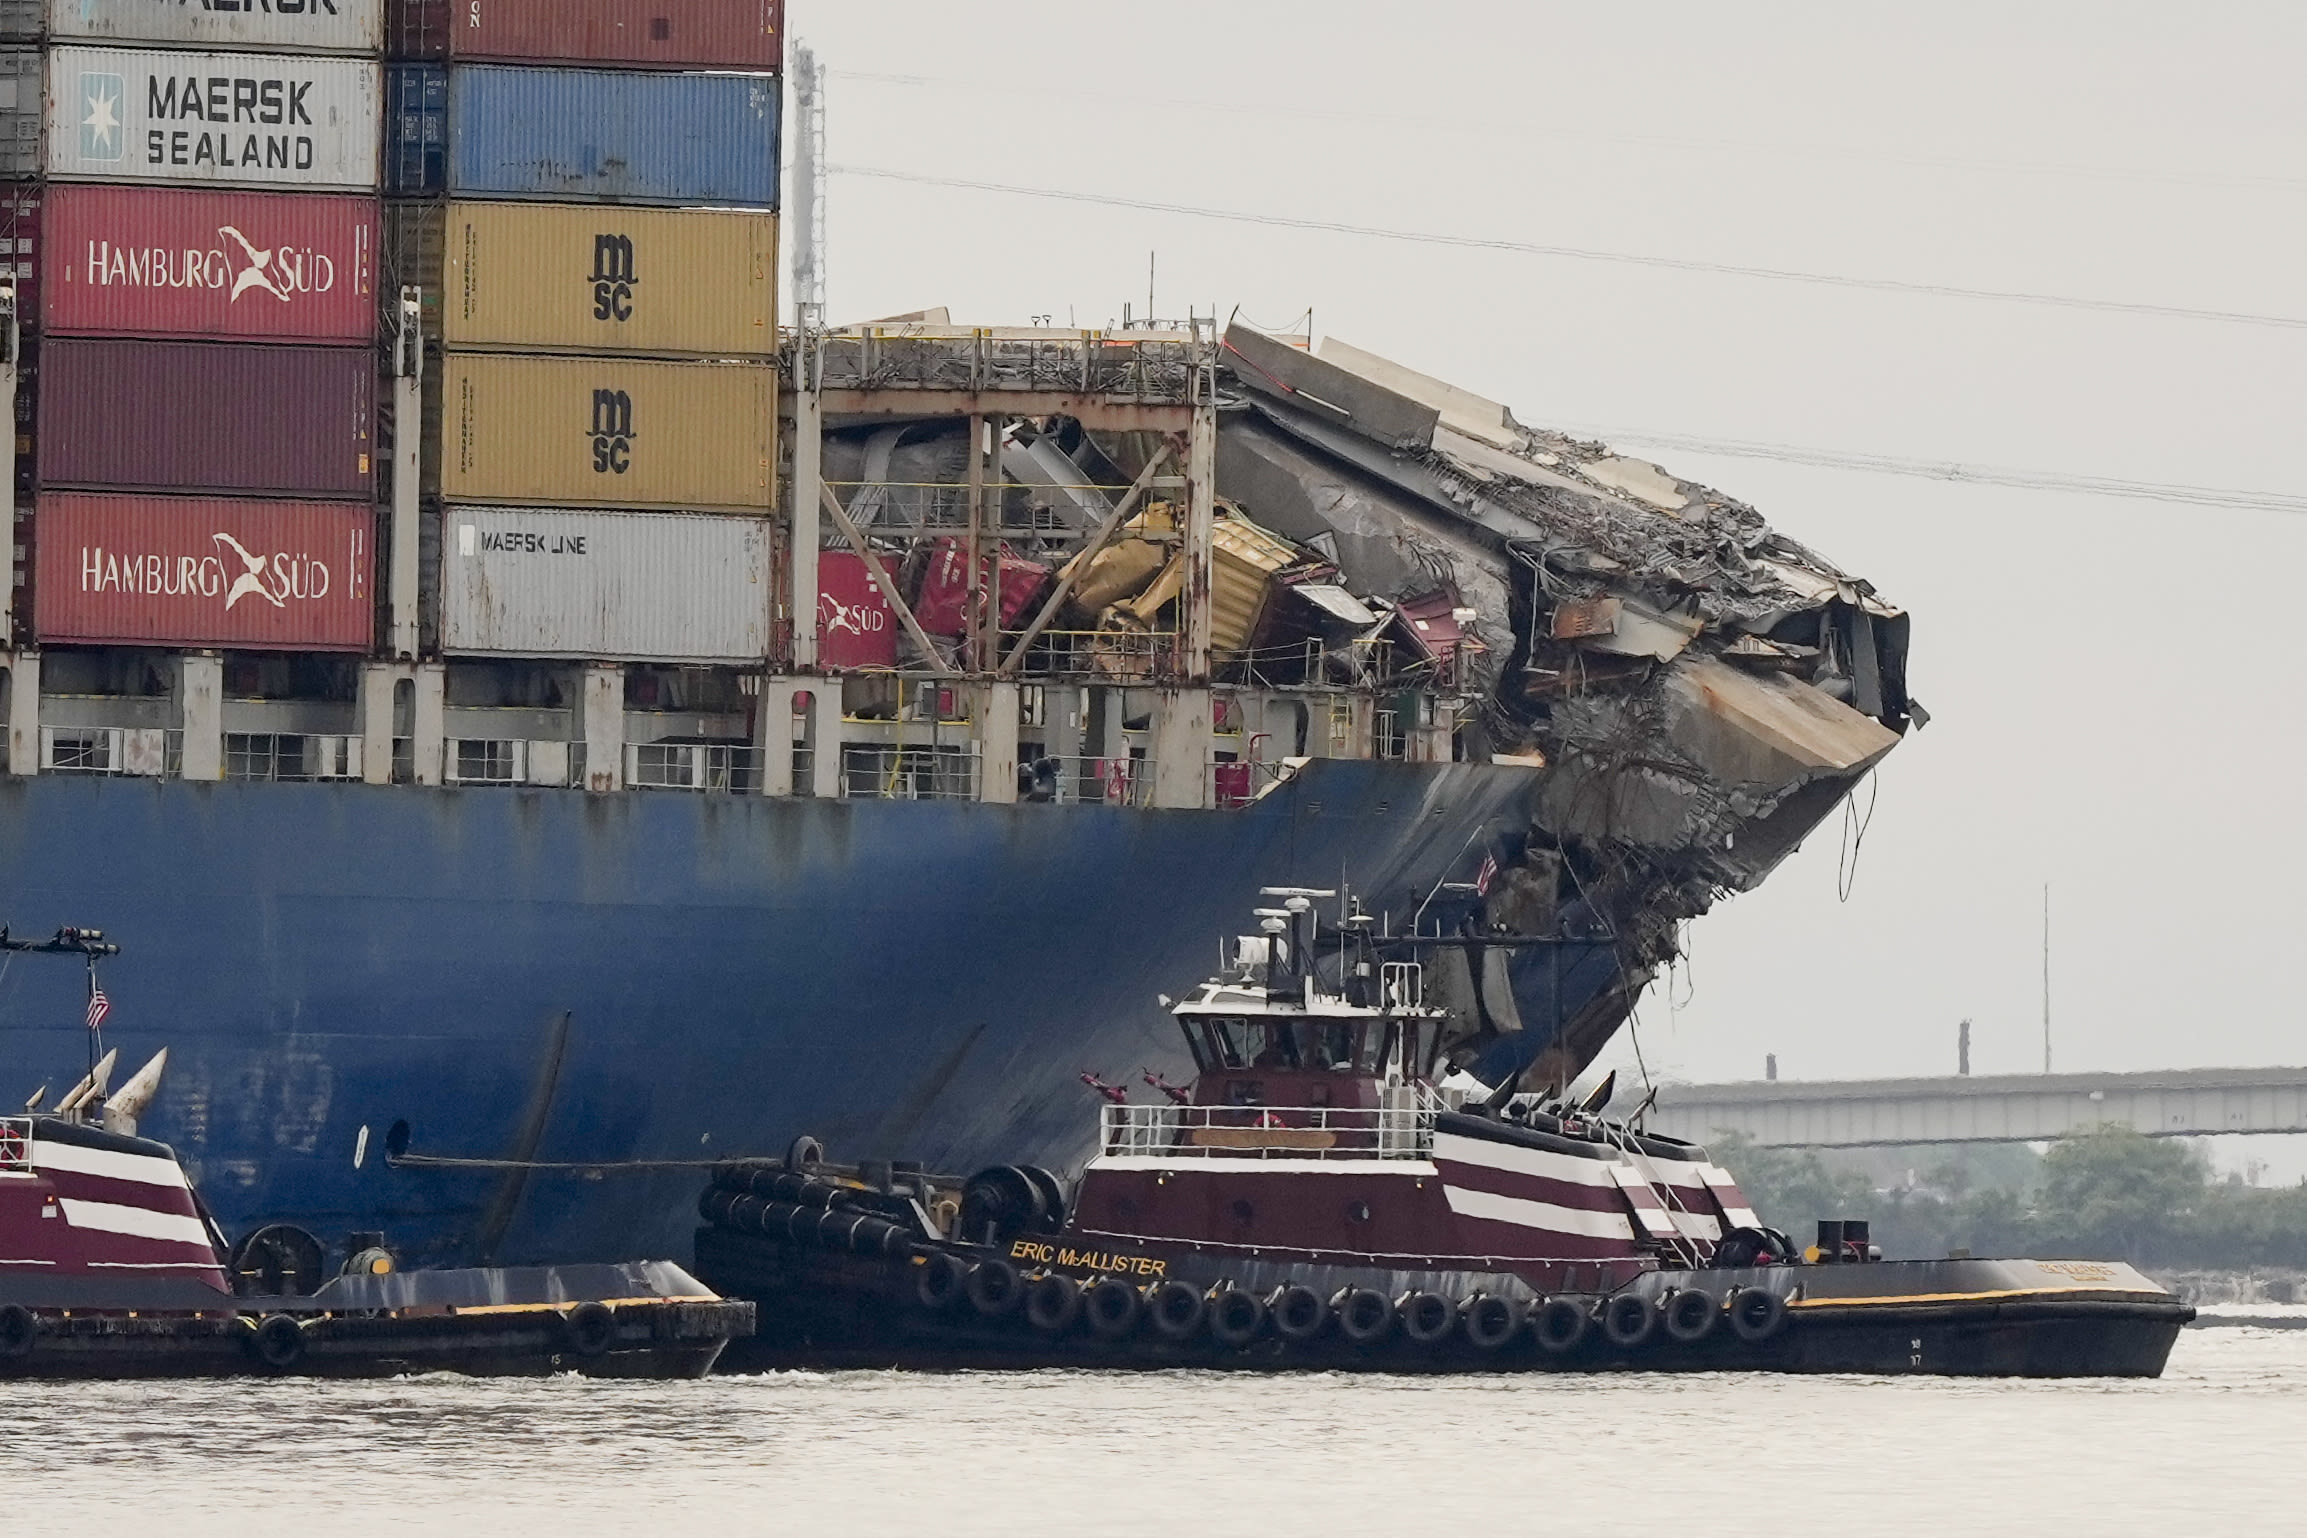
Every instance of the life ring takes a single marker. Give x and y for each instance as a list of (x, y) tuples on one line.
[(1560, 1325), (591, 1328), (806, 1155), (277, 1342), (1756, 1314), (941, 1280), (1691, 1315), (1053, 1302), (1427, 1317), (1629, 1320), (1175, 1310), (1113, 1308), (18, 1330), (1237, 1317), (1364, 1317), (994, 1288), (1490, 1321), (1299, 1313)]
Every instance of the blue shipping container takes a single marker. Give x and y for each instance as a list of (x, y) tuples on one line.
[(581, 135)]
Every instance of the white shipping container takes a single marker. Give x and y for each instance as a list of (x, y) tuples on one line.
[(213, 119), (327, 26), (618, 586)]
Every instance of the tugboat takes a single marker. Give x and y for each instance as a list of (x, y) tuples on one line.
[(111, 1267), (1328, 1194)]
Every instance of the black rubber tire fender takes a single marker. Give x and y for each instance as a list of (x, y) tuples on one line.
[(995, 1289), (590, 1329), (1490, 1321), (941, 1281), (1365, 1316), (1299, 1313), (1561, 1325), (19, 1329), (1629, 1320), (1757, 1314), (277, 1342), (1052, 1302), (1692, 1314), (1175, 1310), (1427, 1317), (1113, 1308), (1237, 1316)]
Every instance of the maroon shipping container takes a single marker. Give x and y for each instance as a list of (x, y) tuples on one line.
[(638, 34), (206, 417), (185, 571), (943, 606), (855, 627), (169, 262), (20, 245)]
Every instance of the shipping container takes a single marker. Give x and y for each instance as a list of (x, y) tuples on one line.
[(590, 277), (180, 262), (20, 245), (189, 571), (221, 119), (582, 135), (942, 606), (321, 26), (206, 417), (642, 34), (856, 628), (638, 586), (23, 76), (622, 432)]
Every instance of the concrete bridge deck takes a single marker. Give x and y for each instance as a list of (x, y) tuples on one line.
[(2002, 1108)]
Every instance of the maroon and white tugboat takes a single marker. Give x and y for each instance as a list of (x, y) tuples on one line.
[(111, 1267), (1327, 1194)]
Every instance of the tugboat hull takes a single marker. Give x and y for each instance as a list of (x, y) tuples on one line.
[(824, 1309)]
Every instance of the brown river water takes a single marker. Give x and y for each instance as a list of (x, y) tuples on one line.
[(2218, 1445)]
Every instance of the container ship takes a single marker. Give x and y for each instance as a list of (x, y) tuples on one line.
[(540, 727)]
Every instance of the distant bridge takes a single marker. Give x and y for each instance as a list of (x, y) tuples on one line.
[(2002, 1108)]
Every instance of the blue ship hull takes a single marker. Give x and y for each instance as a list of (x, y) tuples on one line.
[(603, 980)]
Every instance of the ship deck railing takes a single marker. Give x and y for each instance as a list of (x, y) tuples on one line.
[(15, 1145), (1197, 1132), (149, 752)]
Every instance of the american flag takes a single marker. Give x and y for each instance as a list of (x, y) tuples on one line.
[(98, 1007), (1487, 874)]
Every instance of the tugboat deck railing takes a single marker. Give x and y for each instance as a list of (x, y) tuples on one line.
[(15, 1145), (1197, 1132)]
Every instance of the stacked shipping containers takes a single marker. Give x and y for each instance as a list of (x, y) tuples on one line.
[(195, 240), (585, 190)]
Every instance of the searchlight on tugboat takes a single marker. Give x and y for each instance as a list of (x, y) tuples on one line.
[(1333, 1191)]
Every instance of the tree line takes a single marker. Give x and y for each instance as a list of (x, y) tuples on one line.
[(2110, 1194)]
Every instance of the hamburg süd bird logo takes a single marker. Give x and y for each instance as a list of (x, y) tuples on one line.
[(249, 581)]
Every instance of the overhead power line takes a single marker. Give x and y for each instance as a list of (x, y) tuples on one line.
[(1522, 128), (1948, 470), (1585, 254)]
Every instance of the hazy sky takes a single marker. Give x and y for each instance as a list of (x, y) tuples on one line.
[(2116, 684)]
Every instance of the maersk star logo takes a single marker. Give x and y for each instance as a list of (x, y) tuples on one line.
[(101, 137)]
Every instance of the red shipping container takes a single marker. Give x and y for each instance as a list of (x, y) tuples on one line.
[(207, 417), (20, 246), (168, 262), (855, 625), (638, 34), (181, 571), (944, 603)]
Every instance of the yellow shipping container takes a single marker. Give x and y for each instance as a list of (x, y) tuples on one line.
[(624, 432), (592, 277)]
